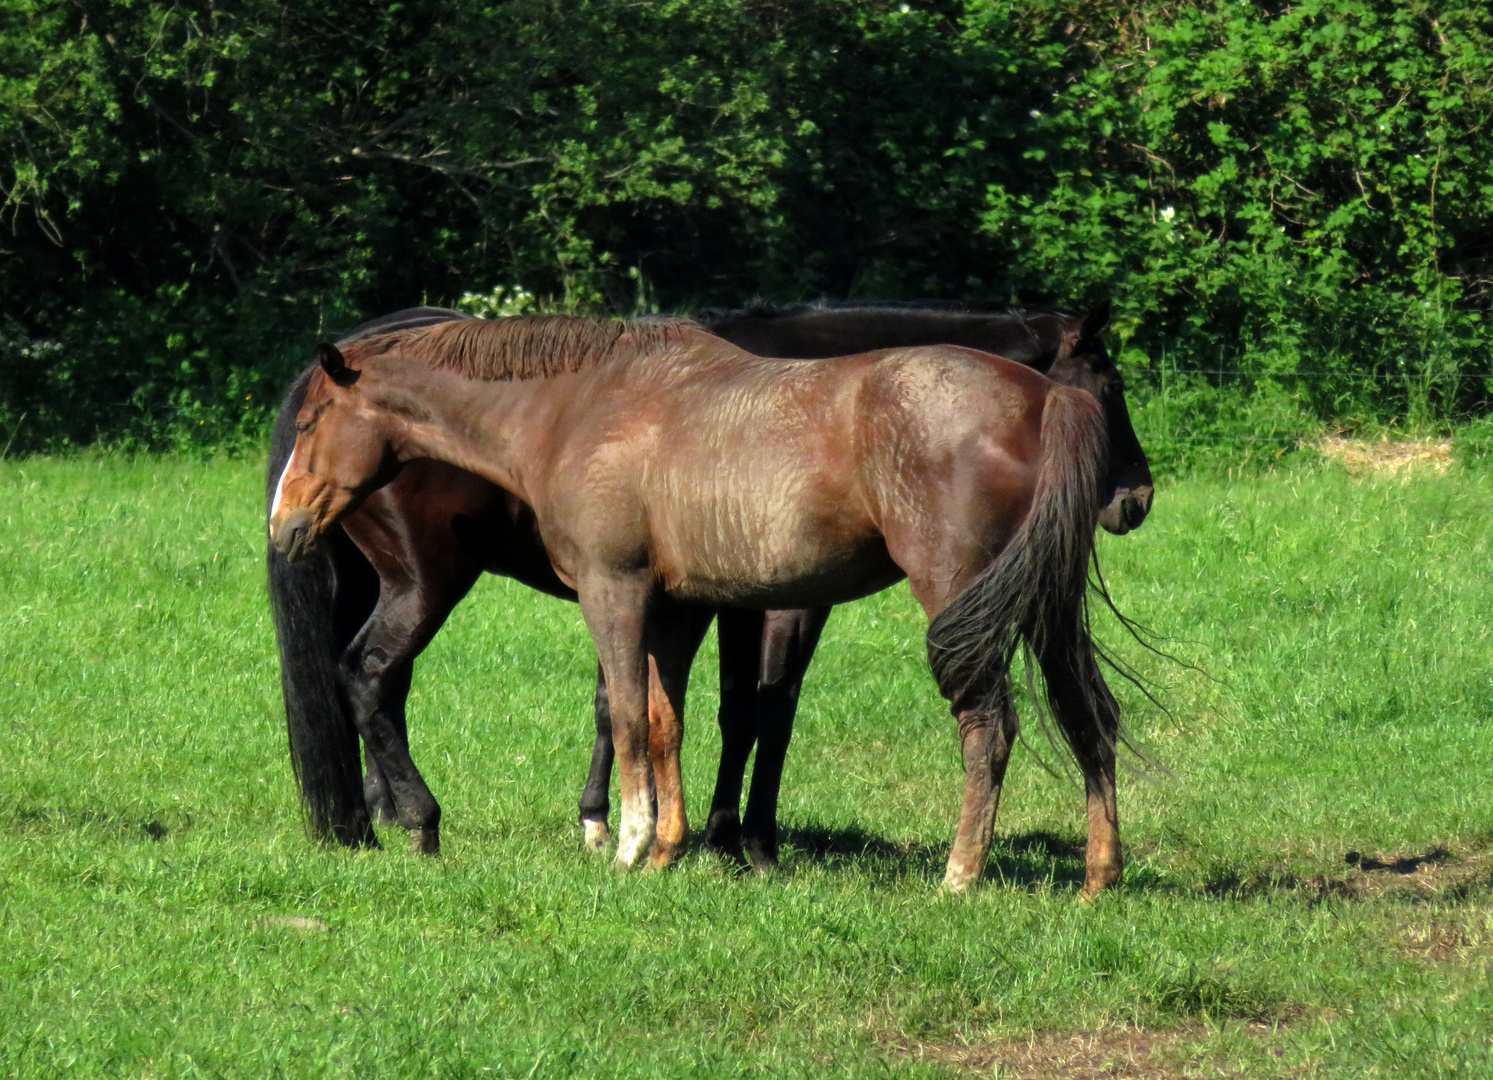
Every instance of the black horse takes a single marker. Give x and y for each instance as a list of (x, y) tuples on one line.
[(351, 622)]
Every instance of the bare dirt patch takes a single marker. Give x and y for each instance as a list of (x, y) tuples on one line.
[(1398, 457), (1448, 941), (1436, 874)]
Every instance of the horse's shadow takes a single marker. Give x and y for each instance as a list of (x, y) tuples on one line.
[(1043, 861), (1029, 860)]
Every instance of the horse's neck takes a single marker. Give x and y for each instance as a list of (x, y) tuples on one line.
[(447, 417)]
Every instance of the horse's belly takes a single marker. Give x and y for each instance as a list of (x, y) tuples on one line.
[(753, 574), (764, 510)]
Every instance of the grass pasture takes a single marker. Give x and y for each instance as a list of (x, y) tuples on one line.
[(162, 914)]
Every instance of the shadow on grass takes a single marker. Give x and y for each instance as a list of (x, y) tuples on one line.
[(1026, 860), (1040, 860), (53, 819), (1437, 875), (857, 847)]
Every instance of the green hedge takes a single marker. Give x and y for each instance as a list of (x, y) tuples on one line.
[(1298, 197)]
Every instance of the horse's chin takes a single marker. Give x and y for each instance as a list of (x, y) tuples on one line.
[(1126, 511)]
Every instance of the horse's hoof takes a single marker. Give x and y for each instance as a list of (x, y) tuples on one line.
[(735, 857), (425, 842), (957, 880), (598, 836), (632, 848), (1093, 887), (726, 842), (665, 855), (723, 833), (763, 857)]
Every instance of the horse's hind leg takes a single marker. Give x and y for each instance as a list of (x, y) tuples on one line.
[(982, 705), (595, 803), (740, 634), (788, 642), (986, 736), (1090, 719)]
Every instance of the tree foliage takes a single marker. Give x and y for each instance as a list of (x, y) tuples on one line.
[(193, 191)]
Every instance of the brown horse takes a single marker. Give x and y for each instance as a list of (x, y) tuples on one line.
[(667, 470), (360, 616)]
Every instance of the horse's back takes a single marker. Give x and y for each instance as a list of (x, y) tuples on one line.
[(949, 390)]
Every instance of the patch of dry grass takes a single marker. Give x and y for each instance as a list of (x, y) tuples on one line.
[(1109, 1053), (1387, 457)]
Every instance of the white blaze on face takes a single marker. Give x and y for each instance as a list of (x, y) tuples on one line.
[(280, 486)]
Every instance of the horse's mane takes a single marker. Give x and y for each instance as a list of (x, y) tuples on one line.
[(407, 319), (529, 347)]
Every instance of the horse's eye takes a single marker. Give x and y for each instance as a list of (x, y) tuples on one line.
[(303, 426)]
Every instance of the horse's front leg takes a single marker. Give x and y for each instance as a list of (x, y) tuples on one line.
[(740, 636), (595, 801), (1090, 718), (674, 636), (788, 642), (616, 613)]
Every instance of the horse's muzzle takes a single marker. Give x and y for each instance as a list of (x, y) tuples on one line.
[(1127, 509), (294, 535)]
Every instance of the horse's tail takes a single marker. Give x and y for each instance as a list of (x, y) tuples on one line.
[(1033, 592), (303, 598)]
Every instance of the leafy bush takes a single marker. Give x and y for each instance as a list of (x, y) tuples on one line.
[(1296, 196)]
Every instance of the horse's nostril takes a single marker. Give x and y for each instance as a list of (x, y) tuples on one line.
[(1137, 504), (292, 536)]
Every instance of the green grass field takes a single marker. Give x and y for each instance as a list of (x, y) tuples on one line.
[(151, 852)]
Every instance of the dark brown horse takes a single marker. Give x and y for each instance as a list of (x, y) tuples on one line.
[(368, 607), (669, 471)]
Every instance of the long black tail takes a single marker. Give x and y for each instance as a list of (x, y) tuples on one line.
[(303, 597), (1033, 592)]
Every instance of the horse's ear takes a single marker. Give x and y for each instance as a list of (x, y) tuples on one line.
[(1095, 321), (335, 364)]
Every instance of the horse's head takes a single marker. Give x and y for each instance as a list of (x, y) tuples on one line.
[(1084, 362), (343, 450)]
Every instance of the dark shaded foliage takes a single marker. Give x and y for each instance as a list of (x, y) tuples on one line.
[(194, 192)]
